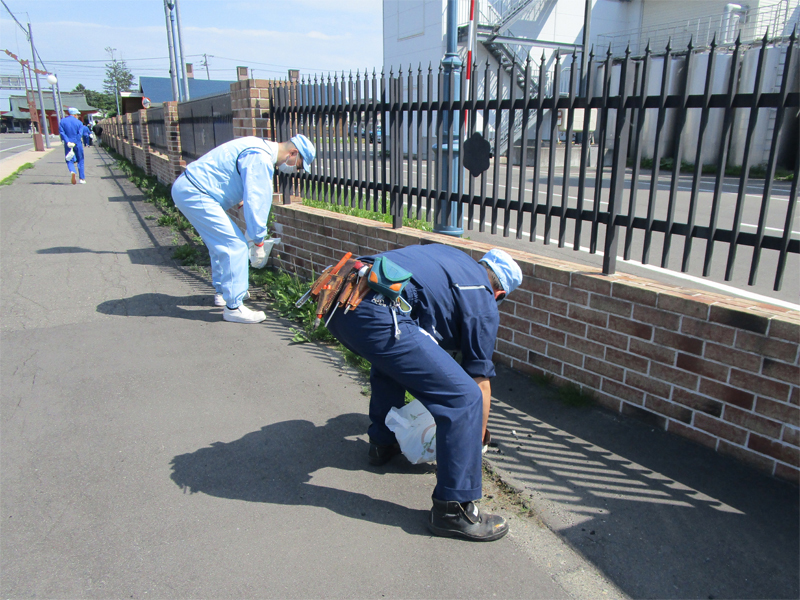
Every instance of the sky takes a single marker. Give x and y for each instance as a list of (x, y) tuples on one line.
[(268, 36)]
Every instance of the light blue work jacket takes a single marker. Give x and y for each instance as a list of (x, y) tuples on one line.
[(236, 171)]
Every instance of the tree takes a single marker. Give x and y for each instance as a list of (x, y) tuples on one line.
[(118, 76), (101, 101)]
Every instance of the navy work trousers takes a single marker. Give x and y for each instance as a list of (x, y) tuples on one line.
[(415, 362)]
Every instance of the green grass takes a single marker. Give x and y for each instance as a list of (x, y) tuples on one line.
[(756, 171), (12, 178), (343, 209)]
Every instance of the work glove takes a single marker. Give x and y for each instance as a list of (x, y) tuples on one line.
[(258, 255), (70, 144)]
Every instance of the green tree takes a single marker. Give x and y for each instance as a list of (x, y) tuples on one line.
[(100, 100), (118, 76)]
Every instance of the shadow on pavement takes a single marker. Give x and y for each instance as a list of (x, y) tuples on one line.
[(661, 516), (137, 256), (195, 308), (276, 465)]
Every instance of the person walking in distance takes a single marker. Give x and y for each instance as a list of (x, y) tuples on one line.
[(71, 130)]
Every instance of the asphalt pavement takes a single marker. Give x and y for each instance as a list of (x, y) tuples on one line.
[(151, 450)]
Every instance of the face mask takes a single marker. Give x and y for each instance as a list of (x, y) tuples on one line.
[(284, 168)]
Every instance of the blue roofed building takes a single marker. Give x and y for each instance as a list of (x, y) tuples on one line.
[(159, 89)]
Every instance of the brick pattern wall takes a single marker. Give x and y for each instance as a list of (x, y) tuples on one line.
[(723, 372), (166, 167), (250, 105)]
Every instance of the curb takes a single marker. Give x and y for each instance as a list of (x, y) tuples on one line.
[(12, 163)]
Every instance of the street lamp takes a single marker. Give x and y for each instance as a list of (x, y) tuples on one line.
[(53, 81)]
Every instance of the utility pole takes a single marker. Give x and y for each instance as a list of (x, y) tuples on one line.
[(173, 73), (171, 24), (116, 83), (587, 29), (42, 113), (183, 56), (452, 83), (205, 64)]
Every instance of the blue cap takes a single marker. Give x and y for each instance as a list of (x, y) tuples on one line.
[(505, 267), (73, 111), (306, 148)]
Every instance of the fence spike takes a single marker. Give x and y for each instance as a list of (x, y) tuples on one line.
[(738, 38), (713, 43), (669, 47), (690, 47), (793, 37), (647, 48), (766, 35)]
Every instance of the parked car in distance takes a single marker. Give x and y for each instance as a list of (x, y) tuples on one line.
[(373, 134)]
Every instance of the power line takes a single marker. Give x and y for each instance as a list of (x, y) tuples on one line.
[(27, 34)]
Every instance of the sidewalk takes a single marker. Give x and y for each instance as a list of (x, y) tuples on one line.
[(151, 450)]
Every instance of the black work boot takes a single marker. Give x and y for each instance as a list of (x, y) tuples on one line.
[(465, 520), (380, 454)]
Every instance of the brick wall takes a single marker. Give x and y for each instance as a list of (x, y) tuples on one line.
[(720, 371)]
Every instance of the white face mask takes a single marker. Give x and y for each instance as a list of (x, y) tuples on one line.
[(288, 169)]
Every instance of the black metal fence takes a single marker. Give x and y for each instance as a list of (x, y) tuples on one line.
[(156, 130), (204, 124), (542, 177)]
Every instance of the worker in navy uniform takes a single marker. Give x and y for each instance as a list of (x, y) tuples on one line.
[(453, 301)]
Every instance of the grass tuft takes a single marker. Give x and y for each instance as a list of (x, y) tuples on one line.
[(13, 177)]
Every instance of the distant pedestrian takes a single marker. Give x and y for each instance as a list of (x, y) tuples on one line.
[(86, 133), (98, 132), (71, 130)]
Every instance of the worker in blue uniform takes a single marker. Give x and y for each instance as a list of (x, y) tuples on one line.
[(238, 172), (71, 130), (453, 301)]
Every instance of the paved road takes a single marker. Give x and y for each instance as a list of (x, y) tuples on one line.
[(14, 143), (150, 450)]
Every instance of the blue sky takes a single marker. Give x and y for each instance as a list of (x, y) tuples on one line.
[(269, 36)]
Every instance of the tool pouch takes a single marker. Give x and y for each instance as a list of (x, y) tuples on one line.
[(388, 278)]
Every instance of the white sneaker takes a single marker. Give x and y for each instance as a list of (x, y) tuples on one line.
[(83, 181), (220, 301), (242, 314)]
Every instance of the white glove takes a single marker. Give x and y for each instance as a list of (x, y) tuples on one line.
[(258, 256), (70, 144)]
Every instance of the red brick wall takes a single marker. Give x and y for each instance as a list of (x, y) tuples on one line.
[(723, 372)]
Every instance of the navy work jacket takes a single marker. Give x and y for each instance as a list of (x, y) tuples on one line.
[(452, 299)]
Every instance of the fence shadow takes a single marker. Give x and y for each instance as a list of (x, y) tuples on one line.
[(678, 521)]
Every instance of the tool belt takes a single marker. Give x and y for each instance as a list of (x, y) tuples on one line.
[(345, 284)]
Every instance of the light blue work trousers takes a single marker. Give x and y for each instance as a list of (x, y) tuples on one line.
[(225, 241)]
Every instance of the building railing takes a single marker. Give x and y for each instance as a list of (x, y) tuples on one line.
[(600, 203)]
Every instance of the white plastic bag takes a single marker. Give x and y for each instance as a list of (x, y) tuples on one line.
[(70, 155), (415, 430)]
